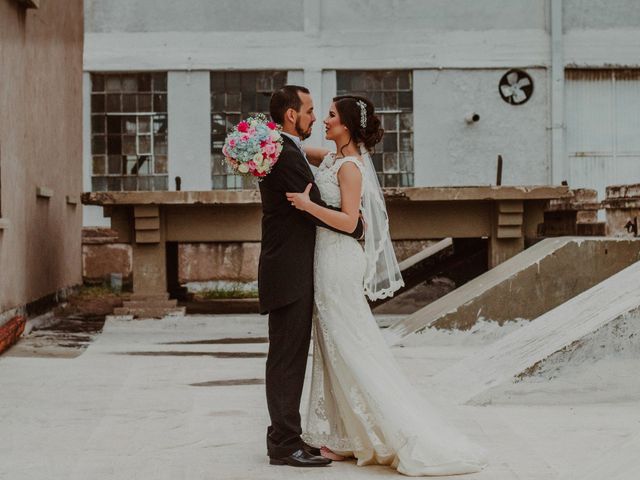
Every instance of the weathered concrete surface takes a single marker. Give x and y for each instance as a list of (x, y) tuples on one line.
[(575, 215), (601, 322), (230, 261), (507, 215), (526, 286), (233, 262), (40, 147), (623, 210), (252, 197), (100, 261), (53, 336), (107, 414), (621, 463)]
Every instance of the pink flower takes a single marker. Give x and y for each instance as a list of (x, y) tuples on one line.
[(269, 149), (272, 125), (243, 126), (232, 142)]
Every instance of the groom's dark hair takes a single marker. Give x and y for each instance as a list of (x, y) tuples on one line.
[(283, 99)]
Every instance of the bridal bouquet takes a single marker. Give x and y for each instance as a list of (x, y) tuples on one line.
[(253, 147)]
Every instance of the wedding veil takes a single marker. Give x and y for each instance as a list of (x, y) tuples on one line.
[(382, 275)]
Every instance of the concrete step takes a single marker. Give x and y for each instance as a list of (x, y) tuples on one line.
[(603, 321), (150, 312), (142, 297), (150, 303), (524, 287)]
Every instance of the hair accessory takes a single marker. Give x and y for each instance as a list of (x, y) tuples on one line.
[(363, 113)]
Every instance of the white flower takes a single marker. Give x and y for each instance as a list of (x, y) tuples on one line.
[(243, 168), (258, 158)]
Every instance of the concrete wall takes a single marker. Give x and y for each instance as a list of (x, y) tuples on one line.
[(201, 15), (450, 151), (524, 287), (600, 14), (458, 50), (40, 146)]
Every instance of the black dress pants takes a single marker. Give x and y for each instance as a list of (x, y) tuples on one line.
[(289, 338)]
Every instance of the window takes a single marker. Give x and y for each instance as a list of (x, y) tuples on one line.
[(129, 131), (391, 92), (237, 95)]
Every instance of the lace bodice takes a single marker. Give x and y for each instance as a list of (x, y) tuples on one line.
[(327, 178)]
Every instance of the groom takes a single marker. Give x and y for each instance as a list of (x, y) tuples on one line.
[(285, 278)]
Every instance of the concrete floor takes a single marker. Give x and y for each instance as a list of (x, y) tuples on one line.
[(139, 404)]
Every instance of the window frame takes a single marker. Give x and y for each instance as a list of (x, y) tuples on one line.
[(156, 175), (219, 168), (404, 177)]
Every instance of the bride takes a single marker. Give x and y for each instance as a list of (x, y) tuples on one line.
[(361, 404)]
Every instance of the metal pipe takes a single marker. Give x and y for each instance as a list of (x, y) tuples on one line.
[(558, 153)]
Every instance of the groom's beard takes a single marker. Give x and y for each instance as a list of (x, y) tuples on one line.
[(303, 134)]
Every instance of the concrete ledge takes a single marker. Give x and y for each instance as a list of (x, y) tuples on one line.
[(252, 197), (44, 192), (4, 224), (10, 332)]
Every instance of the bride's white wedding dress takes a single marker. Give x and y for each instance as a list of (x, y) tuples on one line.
[(361, 404)]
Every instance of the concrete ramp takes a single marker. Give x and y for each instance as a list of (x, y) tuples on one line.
[(525, 286), (602, 321)]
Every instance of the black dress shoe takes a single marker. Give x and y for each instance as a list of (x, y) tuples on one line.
[(312, 450), (300, 458)]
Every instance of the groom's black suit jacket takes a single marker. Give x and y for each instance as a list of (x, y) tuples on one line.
[(285, 272)]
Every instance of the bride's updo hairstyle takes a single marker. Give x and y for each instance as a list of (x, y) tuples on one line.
[(352, 117)]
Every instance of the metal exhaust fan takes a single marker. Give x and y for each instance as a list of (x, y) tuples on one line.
[(516, 87)]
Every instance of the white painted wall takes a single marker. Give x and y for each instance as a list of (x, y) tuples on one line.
[(192, 15), (443, 15), (189, 118), (448, 151), (600, 14)]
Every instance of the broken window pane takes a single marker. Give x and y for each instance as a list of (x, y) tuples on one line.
[(160, 164), (122, 123), (98, 165), (97, 82)]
